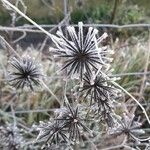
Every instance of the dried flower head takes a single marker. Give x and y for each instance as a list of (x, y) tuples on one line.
[(128, 126), (80, 51), (66, 128), (27, 72), (98, 89), (73, 122), (52, 132), (10, 138)]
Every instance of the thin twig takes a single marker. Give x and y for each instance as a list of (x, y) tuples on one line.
[(34, 111), (45, 40), (21, 37), (13, 114), (130, 74), (26, 17), (139, 104), (49, 90), (8, 45), (145, 71), (144, 76), (17, 29)]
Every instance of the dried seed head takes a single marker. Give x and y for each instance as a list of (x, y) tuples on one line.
[(128, 126), (10, 137), (98, 89), (80, 51), (73, 122), (52, 132), (25, 73)]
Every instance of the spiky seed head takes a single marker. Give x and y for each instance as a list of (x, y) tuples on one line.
[(25, 72), (98, 88), (10, 137), (127, 125), (73, 122), (80, 50), (52, 132)]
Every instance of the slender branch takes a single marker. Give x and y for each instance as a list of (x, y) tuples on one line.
[(114, 11), (8, 45), (17, 29), (130, 74), (26, 17), (34, 111), (144, 76), (27, 28), (45, 40), (145, 70), (13, 114), (49, 90), (144, 112)]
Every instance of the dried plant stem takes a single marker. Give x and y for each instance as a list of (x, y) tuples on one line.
[(9, 46), (34, 111), (130, 74), (145, 71), (144, 76), (144, 112), (26, 17), (52, 29), (116, 84), (114, 11), (13, 114), (18, 29), (91, 142), (117, 146), (48, 89)]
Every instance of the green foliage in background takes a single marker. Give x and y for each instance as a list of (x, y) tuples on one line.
[(95, 11)]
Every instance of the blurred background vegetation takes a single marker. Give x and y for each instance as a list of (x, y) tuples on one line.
[(88, 11)]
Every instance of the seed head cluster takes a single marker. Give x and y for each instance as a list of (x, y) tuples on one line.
[(84, 56), (68, 126)]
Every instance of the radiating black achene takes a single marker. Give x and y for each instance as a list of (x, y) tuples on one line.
[(80, 51), (25, 72)]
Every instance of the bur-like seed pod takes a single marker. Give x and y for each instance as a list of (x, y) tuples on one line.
[(73, 123), (52, 132), (66, 128), (127, 125), (10, 138), (80, 50), (98, 89), (99, 93), (25, 72)]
